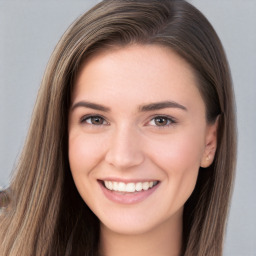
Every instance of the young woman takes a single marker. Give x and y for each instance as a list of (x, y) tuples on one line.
[(132, 144)]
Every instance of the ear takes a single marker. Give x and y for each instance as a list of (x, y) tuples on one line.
[(210, 144)]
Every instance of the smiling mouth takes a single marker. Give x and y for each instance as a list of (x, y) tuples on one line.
[(129, 187)]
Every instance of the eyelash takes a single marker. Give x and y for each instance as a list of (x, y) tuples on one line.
[(84, 119), (170, 120)]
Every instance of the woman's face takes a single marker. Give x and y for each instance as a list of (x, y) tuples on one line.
[(137, 137)]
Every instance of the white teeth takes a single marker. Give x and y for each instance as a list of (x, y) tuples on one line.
[(129, 187), (110, 185), (115, 185), (121, 187), (145, 185), (138, 186)]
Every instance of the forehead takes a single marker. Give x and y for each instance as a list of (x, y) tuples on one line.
[(136, 73)]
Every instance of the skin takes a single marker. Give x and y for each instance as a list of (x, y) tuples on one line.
[(129, 143)]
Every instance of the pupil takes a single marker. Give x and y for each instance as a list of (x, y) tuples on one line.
[(97, 120), (161, 121)]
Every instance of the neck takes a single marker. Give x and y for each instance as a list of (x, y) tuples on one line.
[(163, 240)]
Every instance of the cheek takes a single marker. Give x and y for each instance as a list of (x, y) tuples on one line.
[(84, 155), (85, 152), (179, 153), (179, 158)]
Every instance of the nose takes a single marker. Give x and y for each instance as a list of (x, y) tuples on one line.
[(125, 148)]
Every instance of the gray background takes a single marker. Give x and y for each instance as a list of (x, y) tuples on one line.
[(29, 30)]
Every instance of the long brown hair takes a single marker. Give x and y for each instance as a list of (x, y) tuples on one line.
[(45, 215)]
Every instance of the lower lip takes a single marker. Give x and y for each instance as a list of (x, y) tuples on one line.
[(127, 198)]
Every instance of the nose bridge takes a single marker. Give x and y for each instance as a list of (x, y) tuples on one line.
[(125, 149)]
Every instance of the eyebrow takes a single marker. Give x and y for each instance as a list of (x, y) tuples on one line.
[(143, 108), (161, 105), (91, 105)]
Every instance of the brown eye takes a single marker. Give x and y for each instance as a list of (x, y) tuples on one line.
[(97, 120), (161, 121), (94, 120)]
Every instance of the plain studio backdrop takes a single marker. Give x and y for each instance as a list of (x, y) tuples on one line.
[(29, 30)]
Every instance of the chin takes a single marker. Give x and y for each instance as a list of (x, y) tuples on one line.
[(128, 223)]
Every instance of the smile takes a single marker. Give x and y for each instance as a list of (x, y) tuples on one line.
[(129, 187), (129, 192)]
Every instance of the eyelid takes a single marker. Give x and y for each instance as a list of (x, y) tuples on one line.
[(171, 119), (86, 117)]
